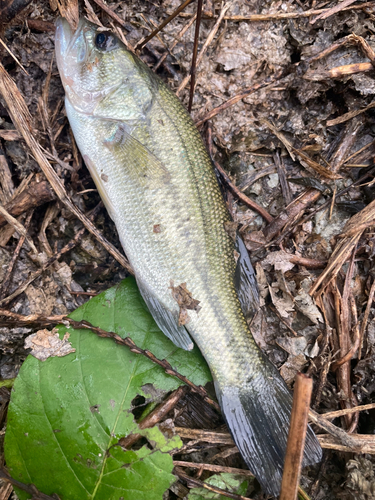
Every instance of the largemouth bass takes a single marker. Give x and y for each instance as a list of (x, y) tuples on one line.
[(158, 184)]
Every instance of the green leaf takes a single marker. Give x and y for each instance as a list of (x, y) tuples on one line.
[(66, 414), (234, 483), (8, 383)]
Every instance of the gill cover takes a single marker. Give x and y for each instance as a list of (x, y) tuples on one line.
[(101, 77)]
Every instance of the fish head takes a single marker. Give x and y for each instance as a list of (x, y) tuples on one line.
[(98, 73)]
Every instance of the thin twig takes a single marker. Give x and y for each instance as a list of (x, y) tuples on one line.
[(245, 93), (36, 194), (9, 270), (31, 319), (21, 230), (177, 40), (143, 42), (128, 342), (286, 15), (213, 468), (206, 44), (337, 437), (195, 52), (223, 438), (342, 437), (365, 443), (110, 12), (29, 488), (347, 411), (155, 416), (365, 318), (241, 196), (72, 243), (291, 213), (296, 437), (209, 487)]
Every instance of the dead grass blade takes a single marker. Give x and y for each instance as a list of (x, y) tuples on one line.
[(18, 227), (14, 57), (206, 44), (354, 227), (233, 100), (68, 9), (143, 42), (365, 318), (333, 10), (195, 52), (349, 115), (307, 162), (287, 15)]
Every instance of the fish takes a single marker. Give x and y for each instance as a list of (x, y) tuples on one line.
[(159, 186)]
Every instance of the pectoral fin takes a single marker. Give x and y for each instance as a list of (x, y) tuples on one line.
[(165, 320), (245, 281), (139, 162)]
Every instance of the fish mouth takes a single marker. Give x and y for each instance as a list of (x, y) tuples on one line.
[(72, 54), (63, 36), (69, 52)]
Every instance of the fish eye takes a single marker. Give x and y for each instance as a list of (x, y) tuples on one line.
[(105, 41)]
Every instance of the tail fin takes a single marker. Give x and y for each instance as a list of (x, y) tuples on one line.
[(258, 415)]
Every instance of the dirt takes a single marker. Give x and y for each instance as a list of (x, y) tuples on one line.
[(275, 143)]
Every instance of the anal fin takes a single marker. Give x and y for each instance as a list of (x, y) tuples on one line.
[(165, 320), (245, 280)]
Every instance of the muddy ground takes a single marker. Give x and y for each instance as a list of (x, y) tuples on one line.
[(308, 132)]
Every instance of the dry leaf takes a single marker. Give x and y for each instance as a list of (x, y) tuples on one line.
[(185, 300), (262, 283), (231, 228), (280, 260), (292, 345), (47, 344), (284, 304), (306, 306), (254, 240), (293, 365)]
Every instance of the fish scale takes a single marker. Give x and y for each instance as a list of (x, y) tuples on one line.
[(159, 186)]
